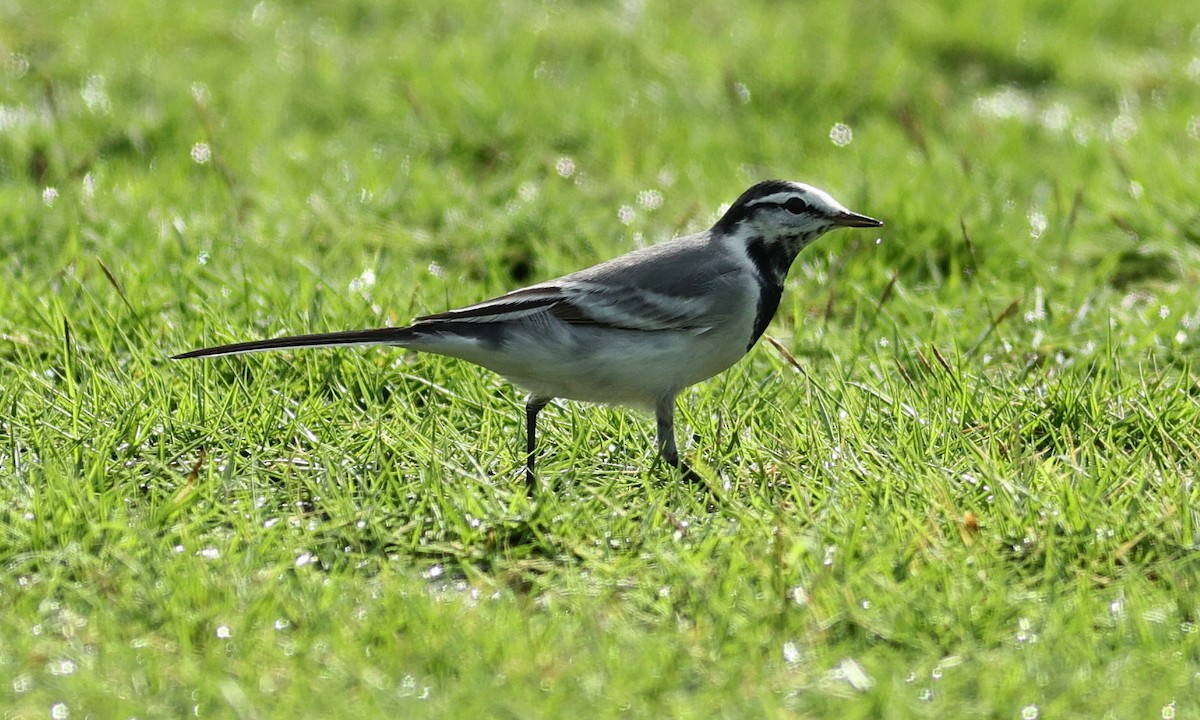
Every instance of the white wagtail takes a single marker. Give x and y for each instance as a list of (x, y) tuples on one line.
[(631, 331)]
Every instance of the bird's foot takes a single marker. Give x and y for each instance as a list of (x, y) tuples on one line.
[(688, 475)]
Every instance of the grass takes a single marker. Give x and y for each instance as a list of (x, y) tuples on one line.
[(960, 482)]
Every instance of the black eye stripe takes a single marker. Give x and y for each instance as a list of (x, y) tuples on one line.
[(796, 206)]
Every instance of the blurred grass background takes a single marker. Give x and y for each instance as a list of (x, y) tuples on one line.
[(960, 484)]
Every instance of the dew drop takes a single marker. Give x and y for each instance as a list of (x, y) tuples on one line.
[(841, 134), (650, 199), (1193, 127), (1037, 224), (201, 153)]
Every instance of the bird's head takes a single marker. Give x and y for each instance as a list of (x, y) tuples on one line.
[(776, 219)]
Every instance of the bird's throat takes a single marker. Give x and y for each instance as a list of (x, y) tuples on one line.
[(768, 303), (771, 259)]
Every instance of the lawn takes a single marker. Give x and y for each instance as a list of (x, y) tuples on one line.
[(957, 480)]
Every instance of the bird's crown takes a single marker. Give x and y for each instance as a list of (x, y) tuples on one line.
[(789, 205)]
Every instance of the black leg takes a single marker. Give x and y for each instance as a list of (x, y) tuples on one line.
[(664, 413), (533, 406)]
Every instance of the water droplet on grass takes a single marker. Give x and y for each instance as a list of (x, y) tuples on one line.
[(650, 199), (852, 672), (565, 166), (201, 153), (364, 282), (527, 191), (1124, 127), (841, 134), (1024, 632), (17, 65), (1193, 69), (1037, 223), (1006, 103), (95, 96), (1056, 117)]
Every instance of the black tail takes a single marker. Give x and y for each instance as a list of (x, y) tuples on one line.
[(381, 336)]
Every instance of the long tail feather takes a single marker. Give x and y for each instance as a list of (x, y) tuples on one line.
[(380, 336)]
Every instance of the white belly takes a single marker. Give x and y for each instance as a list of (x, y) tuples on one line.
[(629, 368)]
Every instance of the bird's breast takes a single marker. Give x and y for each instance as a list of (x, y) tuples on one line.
[(631, 367)]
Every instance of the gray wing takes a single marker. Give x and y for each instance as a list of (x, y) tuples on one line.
[(675, 285)]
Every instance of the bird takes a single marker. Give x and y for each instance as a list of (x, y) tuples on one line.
[(631, 331)]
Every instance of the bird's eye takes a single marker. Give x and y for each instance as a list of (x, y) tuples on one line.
[(796, 206)]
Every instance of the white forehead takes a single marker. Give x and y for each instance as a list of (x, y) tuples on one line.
[(813, 196)]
